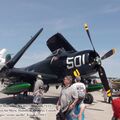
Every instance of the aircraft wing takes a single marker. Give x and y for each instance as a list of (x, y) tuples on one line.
[(57, 41), (16, 72), (19, 54)]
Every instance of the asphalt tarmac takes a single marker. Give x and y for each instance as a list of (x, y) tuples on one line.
[(20, 108)]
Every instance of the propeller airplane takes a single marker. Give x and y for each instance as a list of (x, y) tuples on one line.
[(63, 61)]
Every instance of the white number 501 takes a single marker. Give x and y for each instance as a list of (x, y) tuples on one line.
[(73, 62)]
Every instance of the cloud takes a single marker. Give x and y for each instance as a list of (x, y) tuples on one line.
[(111, 9)]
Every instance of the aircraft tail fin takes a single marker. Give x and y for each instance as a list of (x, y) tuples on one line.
[(7, 58)]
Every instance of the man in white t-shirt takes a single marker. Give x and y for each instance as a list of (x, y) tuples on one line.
[(79, 87)]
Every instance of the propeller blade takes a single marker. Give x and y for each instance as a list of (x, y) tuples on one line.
[(104, 80), (88, 33), (108, 54), (14, 60)]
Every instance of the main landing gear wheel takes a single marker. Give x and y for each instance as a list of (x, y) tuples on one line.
[(88, 98), (46, 88)]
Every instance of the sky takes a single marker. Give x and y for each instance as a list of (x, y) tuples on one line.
[(21, 19)]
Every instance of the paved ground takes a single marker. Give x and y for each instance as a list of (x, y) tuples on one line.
[(19, 109)]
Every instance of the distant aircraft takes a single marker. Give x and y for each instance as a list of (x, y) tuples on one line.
[(63, 61)]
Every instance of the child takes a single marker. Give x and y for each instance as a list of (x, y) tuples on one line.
[(38, 96), (78, 112)]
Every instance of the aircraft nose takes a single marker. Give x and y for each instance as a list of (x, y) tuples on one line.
[(98, 60), (94, 58)]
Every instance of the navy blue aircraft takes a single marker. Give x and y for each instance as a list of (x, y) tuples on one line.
[(63, 61)]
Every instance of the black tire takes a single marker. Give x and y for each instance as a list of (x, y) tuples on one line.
[(88, 98), (46, 88)]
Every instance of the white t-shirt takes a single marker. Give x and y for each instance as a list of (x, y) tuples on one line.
[(80, 88), (67, 96)]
